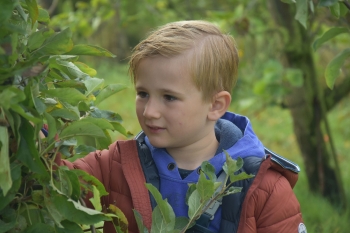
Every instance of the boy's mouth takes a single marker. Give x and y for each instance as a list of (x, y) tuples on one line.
[(155, 129)]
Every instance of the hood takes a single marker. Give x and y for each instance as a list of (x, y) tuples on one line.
[(248, 144)]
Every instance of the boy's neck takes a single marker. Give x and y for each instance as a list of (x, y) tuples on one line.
[(192, 156)]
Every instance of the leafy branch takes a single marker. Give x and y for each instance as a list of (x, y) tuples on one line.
[(42, 82), (205, 194)]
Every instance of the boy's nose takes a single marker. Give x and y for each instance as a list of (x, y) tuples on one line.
[(151, 109)]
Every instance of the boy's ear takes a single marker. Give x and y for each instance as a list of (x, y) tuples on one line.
[(219, 105)]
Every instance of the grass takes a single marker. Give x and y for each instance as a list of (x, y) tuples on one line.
[(274, 128)]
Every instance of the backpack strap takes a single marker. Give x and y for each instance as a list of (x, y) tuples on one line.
[(147, 163), (283, 162)]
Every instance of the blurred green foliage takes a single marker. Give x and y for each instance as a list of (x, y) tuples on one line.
[(43, 83)]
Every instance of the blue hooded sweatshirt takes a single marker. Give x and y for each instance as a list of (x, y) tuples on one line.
[(235, 135)]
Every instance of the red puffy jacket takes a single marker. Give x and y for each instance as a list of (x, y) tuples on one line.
[(270, 205)]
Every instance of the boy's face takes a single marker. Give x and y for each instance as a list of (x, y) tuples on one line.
[(169, 107)]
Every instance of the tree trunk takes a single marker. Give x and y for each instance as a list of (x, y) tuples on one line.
[(308, 109)]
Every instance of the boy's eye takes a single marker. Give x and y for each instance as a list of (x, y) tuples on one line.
[(170, 97), (142, 94)]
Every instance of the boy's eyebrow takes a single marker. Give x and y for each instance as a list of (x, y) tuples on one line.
[(170, 91), (165, 90)]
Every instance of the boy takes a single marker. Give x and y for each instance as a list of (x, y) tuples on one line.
[(183, 74)]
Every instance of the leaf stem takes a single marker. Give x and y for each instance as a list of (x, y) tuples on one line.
[(29, 218)]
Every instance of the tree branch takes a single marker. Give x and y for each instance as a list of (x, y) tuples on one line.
[(332, 97), (53, 6)]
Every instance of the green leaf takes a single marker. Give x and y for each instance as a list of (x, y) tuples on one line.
[(93, 50), (39, 105), (92, 180), (43, 16), (108, 91), (86, 69), (335, 10), (51, 123), (333, 68), (233, 190), (74, 211), (331, 33), (92, 84), (194, 204), (81, 128), (160, 222), (6, 226), (209, 170), (21, 224), (302, 12), (54, 213), (142, 228), (312, 6), (17, 180), (50, 101), (59, 43), (100, 122), (5, 171), (205, 188), (104, 143), (37, 197), (62, 182), (6, 10), (71, 58), (327, 2), (71, 83), (24, 114), (68, 68), (166, 212), (14, 120), (69, 95), (11, 96), (181, 222), (120, 222), (109, 115), (117, 126), (69, 227), (189, 192), (217, 185), (74, 180), (64, 113), (84, 149), (231, 165), (240, 176), (36, 39), (95, 200), (343, 10), (83, 107), (33, 10), (40, 227), (21, 12), (27, 152)]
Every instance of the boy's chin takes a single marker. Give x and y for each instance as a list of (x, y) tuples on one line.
[(157, 144)]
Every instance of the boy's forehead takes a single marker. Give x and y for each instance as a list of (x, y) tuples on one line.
[(180, 61), (173, 69)]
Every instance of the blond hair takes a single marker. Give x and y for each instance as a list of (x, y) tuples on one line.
[(213, 55)]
